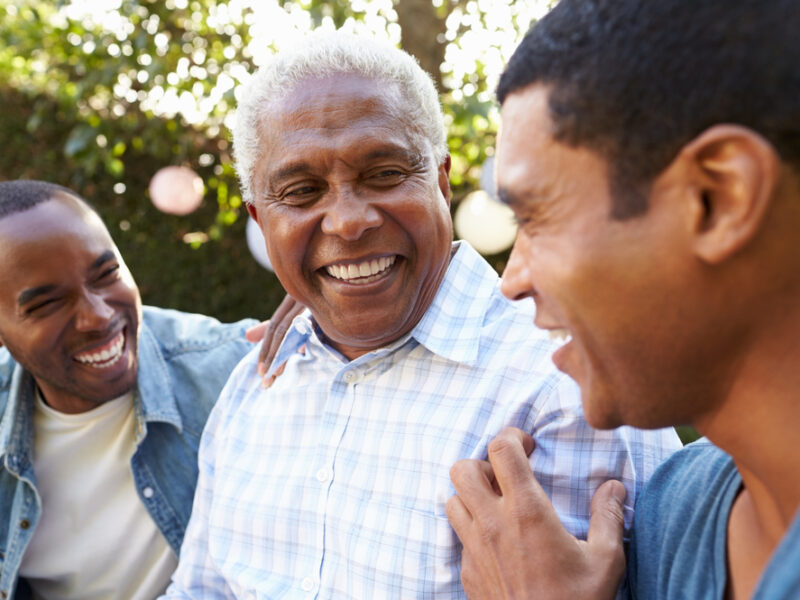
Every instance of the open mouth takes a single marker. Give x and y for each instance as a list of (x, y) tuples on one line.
[(560, 335), (363, 272), (106, 355)]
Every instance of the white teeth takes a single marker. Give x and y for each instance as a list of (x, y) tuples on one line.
[(363, 272), (560, 335), (104, 358)]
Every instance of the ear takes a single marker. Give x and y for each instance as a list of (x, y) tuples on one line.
[(735, 173), (251, 209), (444, 179)]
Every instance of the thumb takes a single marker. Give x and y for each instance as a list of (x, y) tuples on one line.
[(606, 525)]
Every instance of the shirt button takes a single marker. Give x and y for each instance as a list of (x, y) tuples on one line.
[(323, 474), (350, 376), (148, 492), (307, 584), (24, 523)]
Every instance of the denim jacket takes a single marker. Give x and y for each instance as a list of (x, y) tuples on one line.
[(184, 360)]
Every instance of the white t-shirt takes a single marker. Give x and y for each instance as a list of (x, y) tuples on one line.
[(95, 539)]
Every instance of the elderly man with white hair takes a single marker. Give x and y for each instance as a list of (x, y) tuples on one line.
[(332, 483)]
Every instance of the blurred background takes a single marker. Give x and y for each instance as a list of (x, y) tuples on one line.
[(102, 95)]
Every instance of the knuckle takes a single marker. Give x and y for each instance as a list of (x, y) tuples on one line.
[(523, 515), (500, 445), (459, 468)]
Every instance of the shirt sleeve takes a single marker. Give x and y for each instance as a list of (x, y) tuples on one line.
[(197, 575), (571, 459)]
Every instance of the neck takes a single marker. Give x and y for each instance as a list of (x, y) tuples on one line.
[(757, 423)]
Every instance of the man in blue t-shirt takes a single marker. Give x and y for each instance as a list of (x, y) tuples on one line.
[(651, 153)]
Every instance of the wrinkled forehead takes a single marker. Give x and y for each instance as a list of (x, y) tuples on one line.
[(353, 90), (334, 104)]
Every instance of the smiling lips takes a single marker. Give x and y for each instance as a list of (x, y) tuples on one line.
[(104, 356), (363, 272)]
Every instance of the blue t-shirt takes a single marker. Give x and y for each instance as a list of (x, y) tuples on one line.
[(678, 543)]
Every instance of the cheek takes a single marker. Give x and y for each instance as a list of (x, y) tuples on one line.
[(288, 239)]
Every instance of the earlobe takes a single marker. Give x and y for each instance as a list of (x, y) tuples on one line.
[(736, 173), (251, 209), (444, 179)]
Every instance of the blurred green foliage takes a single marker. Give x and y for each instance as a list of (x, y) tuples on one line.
[(99, 100)]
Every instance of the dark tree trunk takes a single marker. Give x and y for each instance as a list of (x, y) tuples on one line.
[(422, 29)]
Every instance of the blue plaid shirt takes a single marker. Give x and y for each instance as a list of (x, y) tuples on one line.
[(333, 482)]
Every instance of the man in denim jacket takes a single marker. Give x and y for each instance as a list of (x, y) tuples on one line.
[(102, 404)]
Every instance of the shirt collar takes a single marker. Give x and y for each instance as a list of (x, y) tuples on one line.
[(16, 426), (451, 327), (156, 398)]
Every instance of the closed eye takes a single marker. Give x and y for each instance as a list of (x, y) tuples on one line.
[(108, 275), (40, 307)]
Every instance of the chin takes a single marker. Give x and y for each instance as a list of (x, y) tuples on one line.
[(600, 420), (600, 412)]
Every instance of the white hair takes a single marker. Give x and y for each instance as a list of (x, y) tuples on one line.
[(320, 55)]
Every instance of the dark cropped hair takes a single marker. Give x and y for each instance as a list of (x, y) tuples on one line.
[(635, 80), (23, 194)]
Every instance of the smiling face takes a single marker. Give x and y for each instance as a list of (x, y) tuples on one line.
[(69, 308), (627, 292), (354, 212)]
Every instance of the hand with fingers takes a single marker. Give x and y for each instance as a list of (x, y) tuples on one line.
[(271, 333), (514, 544)]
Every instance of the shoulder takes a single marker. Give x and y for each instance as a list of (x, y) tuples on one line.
[(178, 332), (243, 383), (694, 468), (192, 354), (680, 522)]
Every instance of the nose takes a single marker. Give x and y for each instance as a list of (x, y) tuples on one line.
[(93, 312), (349, 215), (516, 282)]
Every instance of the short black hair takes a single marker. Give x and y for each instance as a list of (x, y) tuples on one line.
[(635, 80), (23, 194)]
